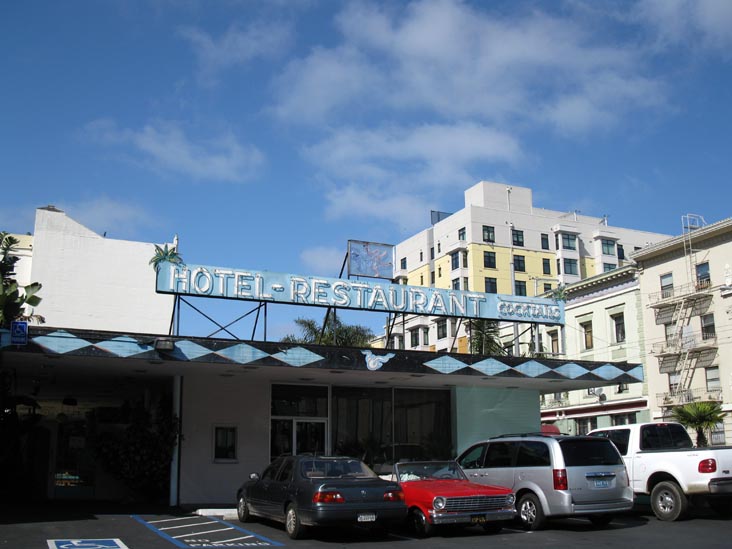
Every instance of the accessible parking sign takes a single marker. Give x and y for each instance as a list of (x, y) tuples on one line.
[(111, 543)]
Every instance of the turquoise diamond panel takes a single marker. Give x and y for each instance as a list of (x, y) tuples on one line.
[(297, 356), (124, 346), (637, 373), (608, 371), (490, 367), (242, 353), (189, 351), (61, 342), (571, 370), (532, 368), (445, 364)]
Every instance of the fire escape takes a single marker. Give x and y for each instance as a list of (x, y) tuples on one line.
[(683, 349)]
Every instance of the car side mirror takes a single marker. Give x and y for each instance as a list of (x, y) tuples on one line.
[(254, 476)]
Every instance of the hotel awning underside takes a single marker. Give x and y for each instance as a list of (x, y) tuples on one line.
[(95, 353)]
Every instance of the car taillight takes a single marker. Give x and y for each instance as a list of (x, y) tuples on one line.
[(394, 495), (708, 465), (560, 479), (328, 497)]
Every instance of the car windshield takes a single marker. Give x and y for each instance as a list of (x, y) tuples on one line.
[(429, 470), (334, 468)]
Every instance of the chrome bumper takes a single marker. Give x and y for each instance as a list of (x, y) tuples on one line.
[(470, 517)]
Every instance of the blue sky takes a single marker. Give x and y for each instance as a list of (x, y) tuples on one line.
[(267, 134)]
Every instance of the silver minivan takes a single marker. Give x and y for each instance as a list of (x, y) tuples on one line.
[(553, 476)]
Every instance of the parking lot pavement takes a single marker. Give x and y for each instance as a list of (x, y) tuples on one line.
[(131, 527)]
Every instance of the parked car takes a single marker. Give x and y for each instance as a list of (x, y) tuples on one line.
[(438, 492), (553, 476), (303, 491), (663, 463)]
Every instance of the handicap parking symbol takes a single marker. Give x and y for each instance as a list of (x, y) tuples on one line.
[(19, 332), (86, 544)]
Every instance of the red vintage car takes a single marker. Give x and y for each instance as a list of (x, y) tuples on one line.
[(438, 492)]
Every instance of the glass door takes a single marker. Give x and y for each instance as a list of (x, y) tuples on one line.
[(310, 436)]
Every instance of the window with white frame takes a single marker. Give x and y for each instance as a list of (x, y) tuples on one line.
[(489, 233), (608, 247), (569, 241), (587, 340), (673, 382), (517, 237), (519, 263), (709, 331), (618, 321), (585, 425), (519, 287), (607, 267), (554, 341), (544, 241), (455, 260), (442, 328), (461, 233), (224, 443), (425, 336), (703, 278), (414, 338), (712, 376), (491, 285), (570, 266), (546, 265), (717, 438), (455, 283), (489, 260), (667, 285)]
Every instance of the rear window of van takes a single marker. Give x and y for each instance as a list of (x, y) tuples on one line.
[(583, 452)]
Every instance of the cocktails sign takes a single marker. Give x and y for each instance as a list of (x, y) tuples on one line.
[(204, 281)]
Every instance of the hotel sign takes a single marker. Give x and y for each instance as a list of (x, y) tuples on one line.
[(204, 281)]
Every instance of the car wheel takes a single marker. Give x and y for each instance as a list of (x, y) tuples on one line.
[(292, 523), (422, 527), (492, 527), (242, 509), (530, 512), (600, 521), (668, 501)]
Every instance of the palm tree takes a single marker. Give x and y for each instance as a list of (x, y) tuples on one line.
[(484, 337), (335, 333), (15, 298), (701, 416), (165, 255)]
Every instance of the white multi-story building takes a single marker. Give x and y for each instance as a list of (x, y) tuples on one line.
[(686, 288), (501, 243)]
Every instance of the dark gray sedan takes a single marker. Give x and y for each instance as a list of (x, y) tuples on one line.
[(304, 491)]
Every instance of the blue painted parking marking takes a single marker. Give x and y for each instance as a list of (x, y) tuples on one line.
[(109, 543), (198, 532)]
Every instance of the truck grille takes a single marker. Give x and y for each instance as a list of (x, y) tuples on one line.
[(476, 503)]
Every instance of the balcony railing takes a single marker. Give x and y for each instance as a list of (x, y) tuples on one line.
[(551, 402), (686, 396), (696, 341), (669, 295)]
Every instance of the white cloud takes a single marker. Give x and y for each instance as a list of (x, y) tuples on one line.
[(695, 24), (163, 146), (236, 46), (323, 260), (447, 60), (117, 218), (388, 204), (433, 155)]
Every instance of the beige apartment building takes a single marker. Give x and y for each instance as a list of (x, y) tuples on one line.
[(686, 291)]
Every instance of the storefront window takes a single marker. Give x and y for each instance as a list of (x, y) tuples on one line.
[(299, 400), (382, 426)]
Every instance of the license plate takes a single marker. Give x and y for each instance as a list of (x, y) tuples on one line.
[(602, 484), (366, 517), (478, 519)]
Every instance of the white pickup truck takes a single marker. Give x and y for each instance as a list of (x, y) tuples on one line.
[(663, 463)]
